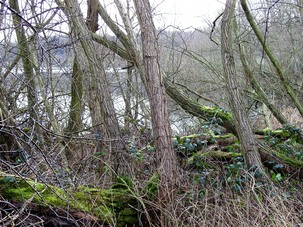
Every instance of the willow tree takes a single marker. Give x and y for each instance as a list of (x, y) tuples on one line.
[(274, 61), (96, 73), (26, 57), (166, 157), (243, 128)]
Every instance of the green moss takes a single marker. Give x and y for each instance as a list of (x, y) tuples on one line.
[(233, 147), (225, 136), (279, 132), (128, 215), (218, 112), (290, 161), (152, 186), (123, 182), (182, 139), (106, 204), (200, 159), (23, 190)]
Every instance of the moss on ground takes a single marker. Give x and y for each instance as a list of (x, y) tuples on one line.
[(112, 206)]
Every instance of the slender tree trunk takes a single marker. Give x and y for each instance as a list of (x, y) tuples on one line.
[(285, 82), (111, 129), (254, 83), (128, 118), (93, 92), (75, 112), (244, 130), (27, 61), (167, 165)]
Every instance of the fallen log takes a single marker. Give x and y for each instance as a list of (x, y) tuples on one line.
[(64, 207)]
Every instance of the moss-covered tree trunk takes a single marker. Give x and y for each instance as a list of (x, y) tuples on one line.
[(254, 83), (82, 206), (244, 130), (110, 129), (127, 100), (27, 60), (75, 112), (224, 118), (281, 74)]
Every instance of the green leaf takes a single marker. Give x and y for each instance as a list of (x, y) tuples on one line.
[(278, 166), (7, 179), (278, 177)]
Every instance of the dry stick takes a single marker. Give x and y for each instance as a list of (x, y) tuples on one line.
[(213, 28)]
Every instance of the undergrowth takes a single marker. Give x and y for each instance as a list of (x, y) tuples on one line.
[(215, 189)]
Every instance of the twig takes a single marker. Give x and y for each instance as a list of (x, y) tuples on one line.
[(18, 14), (213, 29)]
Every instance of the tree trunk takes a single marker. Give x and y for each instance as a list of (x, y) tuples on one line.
[(254, 83), (110, 134), (130, 53), (285, 82), (75, 112), (166, 157), (224, 118), (244, 130), (27, 61)]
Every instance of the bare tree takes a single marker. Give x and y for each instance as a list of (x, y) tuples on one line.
[(166, 157), (244, 130), (274, 61), (110, 127)]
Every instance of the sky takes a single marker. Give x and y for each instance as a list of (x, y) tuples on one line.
[(181, 13), (186, 13)]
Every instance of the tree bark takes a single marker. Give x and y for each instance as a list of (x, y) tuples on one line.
[(224, 118), (111, 130), (75, 112), (245, 134), (166, 157), (27, 61)]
